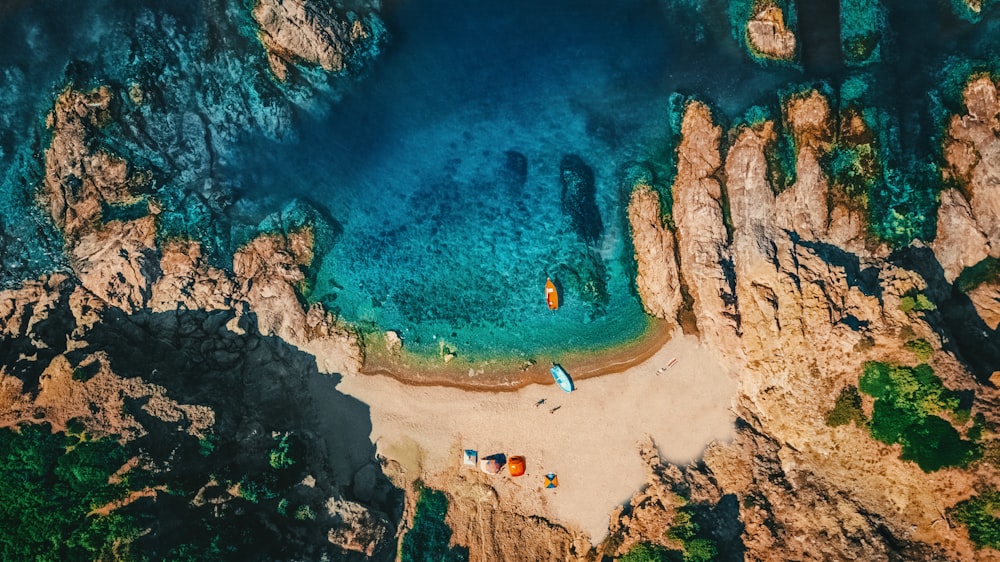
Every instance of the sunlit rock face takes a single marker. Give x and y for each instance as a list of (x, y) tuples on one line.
[(972, 153), (657, 278), (768, 37), (813, 304), (702, 239), (310, 32)]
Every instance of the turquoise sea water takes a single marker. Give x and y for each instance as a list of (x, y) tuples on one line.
[(438, 167), (443, 168)]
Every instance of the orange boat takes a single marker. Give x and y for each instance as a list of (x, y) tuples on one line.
[(551, 296)]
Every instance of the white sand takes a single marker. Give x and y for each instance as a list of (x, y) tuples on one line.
[(590, 441)]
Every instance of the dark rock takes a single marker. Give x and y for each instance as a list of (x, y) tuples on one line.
[(579, 197)]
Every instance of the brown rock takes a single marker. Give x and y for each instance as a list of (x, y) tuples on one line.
[(307, 31), (972, 152), (804, 207), (657, 278), (986, 299), (267, 272), (752, 205), (702, 239), (768, 37), (189, 282), (959, 243)]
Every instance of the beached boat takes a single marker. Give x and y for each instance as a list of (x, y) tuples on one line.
[(551, 295), (562, 378)]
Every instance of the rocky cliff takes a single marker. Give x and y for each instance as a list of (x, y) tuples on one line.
[(145, 341), (798, 303)]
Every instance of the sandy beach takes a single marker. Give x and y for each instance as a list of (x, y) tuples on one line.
[(589, 437)]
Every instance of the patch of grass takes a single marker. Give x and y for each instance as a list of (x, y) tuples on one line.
[(427, 540), (916, 303), (906, 403), (847, 409), (647, 552), (921, 348), (981, 516), (971, 277)]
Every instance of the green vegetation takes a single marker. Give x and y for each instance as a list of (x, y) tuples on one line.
[(971, 277), (847, 409), (981, 516), (907, 401), (861, 23), (427, 540), (50, 483), (697, 548), (281, 456), (916, 303), (921, 348), (646, 552)]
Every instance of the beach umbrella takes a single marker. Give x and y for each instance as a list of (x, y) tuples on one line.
[(551, 480)]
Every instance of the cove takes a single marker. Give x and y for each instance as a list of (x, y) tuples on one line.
[(443, 167)]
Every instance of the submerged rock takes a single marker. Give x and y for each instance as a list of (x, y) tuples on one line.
[(579, 198)]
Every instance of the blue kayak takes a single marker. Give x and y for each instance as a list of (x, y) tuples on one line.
[(562, 378)]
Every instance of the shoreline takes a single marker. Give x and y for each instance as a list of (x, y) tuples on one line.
[(509, 375)]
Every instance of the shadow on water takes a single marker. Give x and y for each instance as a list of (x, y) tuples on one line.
[(819, 31), (259, 387), (965, 333)]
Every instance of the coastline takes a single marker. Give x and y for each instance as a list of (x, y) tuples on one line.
[(591, 438), (510, 374)]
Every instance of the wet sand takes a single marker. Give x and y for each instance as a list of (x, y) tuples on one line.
[(510, 375), (588, 437)]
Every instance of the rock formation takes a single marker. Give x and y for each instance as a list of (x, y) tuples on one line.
[(702, 238), (812, 307), (307, 31), (119, 262), (657, 278), (767, 35), (972, 153)]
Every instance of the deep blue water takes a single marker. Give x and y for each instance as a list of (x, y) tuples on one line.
[(441, 234)]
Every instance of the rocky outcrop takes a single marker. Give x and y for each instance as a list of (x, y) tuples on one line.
[(119, 264), (307, 31), (767, 35), (813, 305), (972, 153), (657, 277), (804, 207), (702, 238), (268, 270), (114, 259), (959, 242)]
